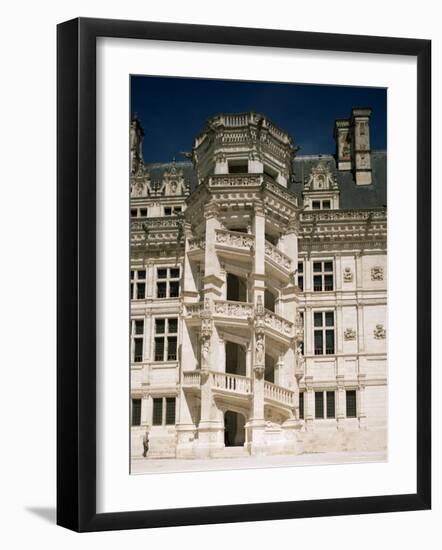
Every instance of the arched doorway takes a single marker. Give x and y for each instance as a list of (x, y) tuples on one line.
[(234, 430)]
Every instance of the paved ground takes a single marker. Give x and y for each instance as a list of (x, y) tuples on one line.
[(165, 465)]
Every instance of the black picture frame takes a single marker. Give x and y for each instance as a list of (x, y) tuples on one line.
[(76, 274)]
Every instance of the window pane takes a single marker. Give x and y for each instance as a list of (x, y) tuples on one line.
[(139, 326), (329, 342), (301, 282), (329, 318), (136, 412), (159, 326), (143, 212), (301, 405), (168, 211), (317, 267), (161, 273), (141, 274), (316, 205), (132, 274), (319, 404), (318, 342), (171, 348), (161, 290), (141, 291), (326, 205), (317, 283), (330, 404), (157, 416), (300, 267), (159, 349), (328, 282), (170, 410), (318, 319), (138, 351), (173, 325), (174, 273), (174, 289), (328, 266), (133, 213), (350, 397), (132, 287)]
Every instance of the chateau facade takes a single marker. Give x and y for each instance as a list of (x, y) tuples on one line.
[(259, 294)]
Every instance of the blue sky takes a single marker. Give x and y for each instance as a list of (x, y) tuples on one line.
[(174, 110)]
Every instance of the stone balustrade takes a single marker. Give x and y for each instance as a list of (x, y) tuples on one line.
[(236, 310), (191, 378), (236, 180), (196, 244), (231, 382), (234, 239), (278, 394), (277, 257), (279, 324)]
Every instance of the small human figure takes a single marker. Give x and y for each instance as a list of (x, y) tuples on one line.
[(145, 443)]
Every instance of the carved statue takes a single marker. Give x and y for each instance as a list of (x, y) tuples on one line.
[(260, 354)]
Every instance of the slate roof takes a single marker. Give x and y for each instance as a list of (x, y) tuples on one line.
[(351, 195)]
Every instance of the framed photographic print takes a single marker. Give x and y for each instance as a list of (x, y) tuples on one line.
[(243, 274)]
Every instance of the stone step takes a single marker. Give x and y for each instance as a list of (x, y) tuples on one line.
[(231, 452)]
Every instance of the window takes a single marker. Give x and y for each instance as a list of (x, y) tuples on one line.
[(321, 204), (316, 205), (324, 404), (170, 410), (324, 332), (166, 332), (136, 412), (319, 404), (322, 276), (169, 210), (163, 410), (238, 168), (301, 405), (350, 401), (133, 213), (143, 212), (157, 415), (301, 275), (137, 340), (168, 282), (326, 205), (138, 284)]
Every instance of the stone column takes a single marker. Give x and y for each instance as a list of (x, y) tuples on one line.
[(210, 428), (258, 275), (257, 422), (189, 275), (340, 405), (309, 403), (362, 416), (212, 279)]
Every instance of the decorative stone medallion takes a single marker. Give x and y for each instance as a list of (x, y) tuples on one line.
[(377, 273), (349, 334)]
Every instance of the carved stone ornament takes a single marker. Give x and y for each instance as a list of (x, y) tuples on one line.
[(377, 273), (348, 275), (259, 350), (379, 332), (349, 334)]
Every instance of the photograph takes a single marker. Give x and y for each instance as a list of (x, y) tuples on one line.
[(258, 274)]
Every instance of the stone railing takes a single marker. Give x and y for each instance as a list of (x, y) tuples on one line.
[(196, 244), (236, 180), (344, 215), (278, 394), (235, 239), (194, 309), (278, 323), (231, 382), (236, 310), (277, 257), (191, 378), (155, 223)]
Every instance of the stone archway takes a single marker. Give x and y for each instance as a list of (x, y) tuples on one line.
[(234, 429)]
